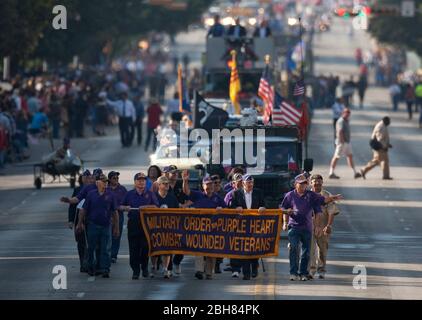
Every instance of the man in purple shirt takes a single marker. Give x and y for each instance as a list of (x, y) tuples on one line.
[(119, 192), (134, 200), (299, 205), (206, 199), (97, 214), (91, 185)]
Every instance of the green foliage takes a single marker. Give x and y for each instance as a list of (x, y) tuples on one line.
[(21, 24), (399, 31), (90, 26)]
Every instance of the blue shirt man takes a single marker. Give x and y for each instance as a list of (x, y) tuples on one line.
[(39, 120), (217, 30)]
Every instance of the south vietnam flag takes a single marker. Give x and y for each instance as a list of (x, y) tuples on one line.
[(234, 84)]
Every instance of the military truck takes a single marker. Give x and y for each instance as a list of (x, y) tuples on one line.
[(250, 59), (283, 150), (273, 155)]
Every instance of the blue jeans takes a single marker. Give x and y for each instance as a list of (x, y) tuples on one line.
[(295, 237), (56, 128), (115, 242), (396, 100), (2, 158), (102, 236)]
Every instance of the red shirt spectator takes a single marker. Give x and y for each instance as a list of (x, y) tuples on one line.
[(154, 112), (3, 139)]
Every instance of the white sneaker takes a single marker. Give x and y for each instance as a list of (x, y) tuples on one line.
[(294, 277), (167, 274), (177, 269), (235, 274)]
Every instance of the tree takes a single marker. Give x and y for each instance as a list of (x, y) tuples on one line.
[(95, 23), (397, 30), (21, 24)]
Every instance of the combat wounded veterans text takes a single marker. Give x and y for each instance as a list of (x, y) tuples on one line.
[(214, 233)]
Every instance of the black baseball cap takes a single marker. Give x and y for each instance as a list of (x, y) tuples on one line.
[(113, 174)]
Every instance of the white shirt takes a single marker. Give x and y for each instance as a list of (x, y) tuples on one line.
[(123, 106), (248, 199)]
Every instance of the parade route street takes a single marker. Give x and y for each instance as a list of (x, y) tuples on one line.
[(378, 227)]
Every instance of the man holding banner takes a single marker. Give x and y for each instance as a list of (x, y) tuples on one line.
[(300, 204), (165, 199), (134, 200), (249, 198), (206, 199)]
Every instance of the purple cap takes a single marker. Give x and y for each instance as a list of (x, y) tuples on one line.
[(207, 179), (301, 178)]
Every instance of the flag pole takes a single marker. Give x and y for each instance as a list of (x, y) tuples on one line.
[(302, 78), (179, 86), (267, 60)]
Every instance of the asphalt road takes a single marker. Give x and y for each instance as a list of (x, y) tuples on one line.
[(378, 227)]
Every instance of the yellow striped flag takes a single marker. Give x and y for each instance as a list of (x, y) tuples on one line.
[(234, 84)]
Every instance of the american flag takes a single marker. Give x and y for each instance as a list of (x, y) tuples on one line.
[(299, 88), (266, 93), (285, 113)]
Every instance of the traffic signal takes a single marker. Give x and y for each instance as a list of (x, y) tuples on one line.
[(386, 11)]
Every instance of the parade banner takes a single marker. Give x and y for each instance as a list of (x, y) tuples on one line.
[(204, 232)]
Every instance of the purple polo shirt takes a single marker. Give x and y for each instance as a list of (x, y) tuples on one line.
[(200, 200), (305, 205), (119, 192), (136, 200), (100, 207), (85, 190), (229, 198), (228, 187)]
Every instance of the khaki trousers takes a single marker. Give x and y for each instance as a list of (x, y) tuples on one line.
[(380, 158), (318, 256), (208, 265)]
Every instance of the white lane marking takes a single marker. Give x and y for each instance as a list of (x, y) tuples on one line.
[(51, 257), (91, 279), (166, 291), (39, 257), (401, 220), (407, 229), (80, 295)]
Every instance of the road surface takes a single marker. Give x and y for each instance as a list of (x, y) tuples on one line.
[(378, 228)]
